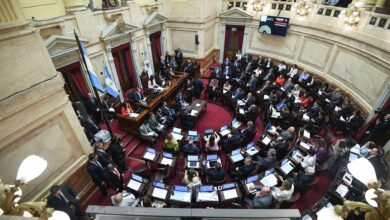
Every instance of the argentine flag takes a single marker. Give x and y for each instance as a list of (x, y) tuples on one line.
[(110, 85), (92, 75)]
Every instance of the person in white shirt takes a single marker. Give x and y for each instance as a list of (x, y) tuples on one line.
[(124, 199), (282, 66), (284, 192), (309, 160), (258, 72), (148, 69), (293, 71), (366, 148), (238, 55)]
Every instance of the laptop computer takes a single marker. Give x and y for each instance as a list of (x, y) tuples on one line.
[(193, 161), (228, 186), (212, 157), (236, 124), (180, 188), (176, 130), (136, 177), (224, 130), (236, 151), (167, 155), (208, 131), (252, 179), (206, 188), (158, 184), (192, 133)]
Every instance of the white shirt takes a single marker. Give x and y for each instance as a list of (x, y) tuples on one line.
[(293, 72), (149, 70), (281, 67), (309, 161), (282, 195)]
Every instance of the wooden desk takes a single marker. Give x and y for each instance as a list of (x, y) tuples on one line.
[(199, 106), (132, 125)]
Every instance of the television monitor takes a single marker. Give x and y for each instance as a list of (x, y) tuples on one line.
[(273, 25)]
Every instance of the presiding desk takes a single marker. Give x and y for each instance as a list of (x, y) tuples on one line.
[(132, 124)]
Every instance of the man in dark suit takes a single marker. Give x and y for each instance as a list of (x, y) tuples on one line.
[(227, 63), (90, 127), (179, 57), (198, 86), (249, 131), (267, 162), (302, 179), (57, 201), (375, 160), (313, 110), (245, 170), (136, 97), (118, 154), (336, 97), (269, 63), (216, 174), (189, 67), (96, 171), (114, 178), (155, 125), (355, 121), (233, 138), (380, 132), (281, 147), (93, 106), (103, 157), (238, 94), (161, 64)]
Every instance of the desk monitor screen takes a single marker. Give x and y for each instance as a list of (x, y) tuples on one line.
[(237, 151), (252, 179), (208, 131), (180, 188), (176, 130), (136, 177), (193, 158), (228, 186), (167, 155), (192, 133), (150, 150), (212, 157), (206, 188), (269, 125), (269, 171), (250, 144), (234, 121), (158, 184), (224, 127)]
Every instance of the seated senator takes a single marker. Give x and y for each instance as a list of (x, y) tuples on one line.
[(191, 178), (262, 199), (171, 143), (124, 199), (284, 192), (215, 174), (190, 148)]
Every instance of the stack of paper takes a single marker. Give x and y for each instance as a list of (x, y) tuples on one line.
[(275, 114), (266, 97), (133, 115), (269, 180), (306, 134), (177, 136), (287, 167), (194, 112), (266, 140), (304, 145)]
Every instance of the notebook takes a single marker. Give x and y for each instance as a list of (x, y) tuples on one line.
[(266, 140)]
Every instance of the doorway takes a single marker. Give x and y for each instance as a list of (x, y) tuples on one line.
[(155, 44), (124, 67), (234, 36), (75, 85)]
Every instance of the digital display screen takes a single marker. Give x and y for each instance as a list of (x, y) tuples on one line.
[(273, 25)]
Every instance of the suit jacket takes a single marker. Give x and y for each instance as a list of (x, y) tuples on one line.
[(249, 132), (96, 173), (69, 193), (262, 201), (189, 68), (238, 94), (267, 162), (281, 149), (92, 104), (117, 152), (214, 175), (153, 123), (60, 205), (302, 180), (313, 111), (103, 158), (114, 181), (198, 86), (336, 98), (244, 171), (356, 122), (135, 96)]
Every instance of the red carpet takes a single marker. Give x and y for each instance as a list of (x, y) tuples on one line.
[(213, 118)]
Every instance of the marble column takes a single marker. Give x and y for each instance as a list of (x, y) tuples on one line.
[(114, 73), (163, 38), (75, 5), (36, 116), (134, 55), (222, 41), (149, 50), (246, 37)]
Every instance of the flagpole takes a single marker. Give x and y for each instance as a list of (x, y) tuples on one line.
[(102, 113)]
